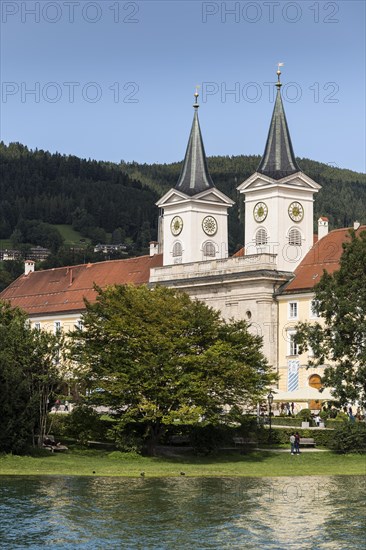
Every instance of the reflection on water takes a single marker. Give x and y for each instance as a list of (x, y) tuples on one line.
[(183, 513)]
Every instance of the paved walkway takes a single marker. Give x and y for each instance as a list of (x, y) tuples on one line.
[(306, 450), (314, 428)]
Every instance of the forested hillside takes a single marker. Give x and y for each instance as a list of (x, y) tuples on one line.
[(94, 197), (106, 202)]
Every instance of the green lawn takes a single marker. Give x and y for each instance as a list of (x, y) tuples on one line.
[(100, 463), (5, 244), (70, 235)]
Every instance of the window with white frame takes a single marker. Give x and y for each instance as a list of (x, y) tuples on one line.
[(293, 310), (209, 249), (57, 326), (293, 348), (294, 237), (37, 326), (261, 237), (177, 249), (79, 324)]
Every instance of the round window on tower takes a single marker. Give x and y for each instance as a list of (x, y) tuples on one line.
[(209, 225)]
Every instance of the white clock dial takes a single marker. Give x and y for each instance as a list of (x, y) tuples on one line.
[(260, 212), (209, 225), (296, 211), (176, 225)]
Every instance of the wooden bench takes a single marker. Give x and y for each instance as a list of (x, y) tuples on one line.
[(307, 441), (50, 444)]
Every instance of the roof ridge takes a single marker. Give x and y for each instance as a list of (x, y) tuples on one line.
[(135, 258)]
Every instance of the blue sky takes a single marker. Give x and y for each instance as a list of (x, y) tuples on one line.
[(114, 80)]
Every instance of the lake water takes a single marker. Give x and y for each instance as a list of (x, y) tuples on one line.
[(183, 513)]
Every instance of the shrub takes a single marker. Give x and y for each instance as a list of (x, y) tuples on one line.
[(127, 438), (58, 425), (341, 416), (282, 436), (349, 437), (84, 424), (305, 415)]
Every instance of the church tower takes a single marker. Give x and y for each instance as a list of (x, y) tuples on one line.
[(194, 224), (279, 198)]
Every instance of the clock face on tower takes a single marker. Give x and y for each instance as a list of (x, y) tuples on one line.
[(209, 225), (296, 211), (176, 225), (260, 211)]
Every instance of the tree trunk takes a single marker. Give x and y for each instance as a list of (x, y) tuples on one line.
[(154, 433)]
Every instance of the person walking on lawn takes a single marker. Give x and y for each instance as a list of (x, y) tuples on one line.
[(292, 443), (297, 443)]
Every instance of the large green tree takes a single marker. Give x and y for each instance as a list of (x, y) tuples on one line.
[(161, 358), (340, 343), (29, 372)]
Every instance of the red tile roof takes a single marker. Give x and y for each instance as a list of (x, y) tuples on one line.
[(325, 254), (63, 289)]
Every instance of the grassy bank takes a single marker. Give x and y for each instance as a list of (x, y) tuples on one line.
[(100, 463)]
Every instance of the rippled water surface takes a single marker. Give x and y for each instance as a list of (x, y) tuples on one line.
[(183, 513)]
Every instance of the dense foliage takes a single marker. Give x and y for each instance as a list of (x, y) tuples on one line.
[(340, 343), (96, 197), (28, 375), (161, 359), (349, 437)]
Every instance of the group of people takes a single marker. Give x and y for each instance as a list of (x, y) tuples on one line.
[(60, 406), (287, 408), (295, 443)]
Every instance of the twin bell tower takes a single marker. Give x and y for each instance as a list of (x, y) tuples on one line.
[(278, 203)]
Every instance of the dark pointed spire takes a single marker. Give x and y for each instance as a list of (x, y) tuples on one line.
[(195, 177), (278, 160)]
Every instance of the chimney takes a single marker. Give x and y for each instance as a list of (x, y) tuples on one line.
[(154, 248), (322, 227), (356, 225), (28, 267)]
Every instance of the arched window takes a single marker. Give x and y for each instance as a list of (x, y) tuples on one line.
[(261, 237), (315, 381), (294, 237), (209, 249), (177, 249)]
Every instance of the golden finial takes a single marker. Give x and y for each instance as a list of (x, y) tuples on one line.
[(196, 94), (278, 83)]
